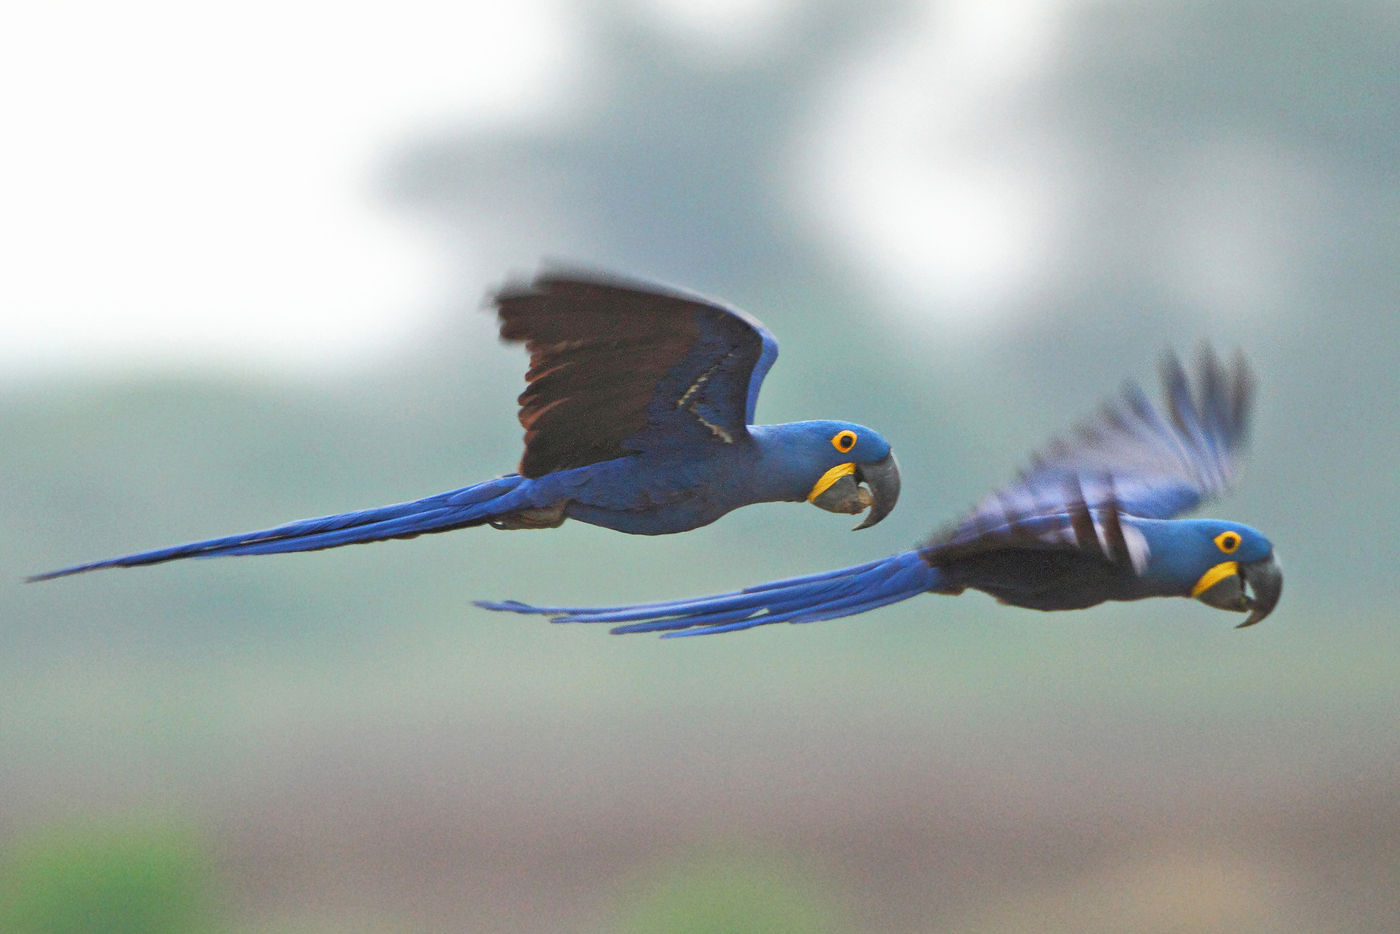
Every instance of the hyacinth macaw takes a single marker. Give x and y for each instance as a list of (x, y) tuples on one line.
[(638, 416), (1093, 519)]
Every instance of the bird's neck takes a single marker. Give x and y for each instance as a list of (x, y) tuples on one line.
[(782, 464), (1173, 563)]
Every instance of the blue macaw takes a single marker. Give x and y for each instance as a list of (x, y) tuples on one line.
[(1093, 519), (638, 416)]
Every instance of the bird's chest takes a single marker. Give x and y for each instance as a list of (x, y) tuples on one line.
[(1045, 580), (651, 495)]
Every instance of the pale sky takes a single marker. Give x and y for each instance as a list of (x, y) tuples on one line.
[(187, 186)]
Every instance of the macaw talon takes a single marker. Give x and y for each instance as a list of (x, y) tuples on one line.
[(542, 517), (1254, 587), (882, 477)]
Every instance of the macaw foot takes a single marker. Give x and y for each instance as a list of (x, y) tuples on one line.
[(542, 517)]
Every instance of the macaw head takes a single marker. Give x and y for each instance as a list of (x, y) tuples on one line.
[(840, 456), (1237, 567)]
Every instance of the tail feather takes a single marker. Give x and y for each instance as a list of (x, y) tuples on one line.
[(645, 610), (455, 509), (815, 597)]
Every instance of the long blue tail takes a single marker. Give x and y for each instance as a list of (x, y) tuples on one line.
[(796, 600), (455, 509)]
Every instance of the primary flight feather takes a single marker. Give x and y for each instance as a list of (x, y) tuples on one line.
[(638, 414)]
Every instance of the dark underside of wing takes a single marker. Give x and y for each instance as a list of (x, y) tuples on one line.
[(1070, 526), (1052, 561), (609, 359), (1156, 462)]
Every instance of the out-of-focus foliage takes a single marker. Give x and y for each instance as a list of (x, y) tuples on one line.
[(115, 878), (720, 892)]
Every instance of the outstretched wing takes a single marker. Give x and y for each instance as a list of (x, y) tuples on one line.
[(1066, 525), (1132, 458), (619, 367)]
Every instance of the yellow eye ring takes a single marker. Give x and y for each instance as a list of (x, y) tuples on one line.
[(843, 440), (1228, 542)]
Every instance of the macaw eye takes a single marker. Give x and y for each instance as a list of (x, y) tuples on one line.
[(1228, 541), (843, 440)]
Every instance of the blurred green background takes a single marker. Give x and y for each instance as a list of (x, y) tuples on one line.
[(967, 224)]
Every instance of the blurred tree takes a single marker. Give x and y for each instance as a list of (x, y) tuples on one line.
[(721, 892), (127, 879)]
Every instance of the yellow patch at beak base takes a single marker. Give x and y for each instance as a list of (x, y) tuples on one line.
[(830, 477), (1214, 576)]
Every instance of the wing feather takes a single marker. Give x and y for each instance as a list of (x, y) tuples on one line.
[(620, 367), (1131, 459)]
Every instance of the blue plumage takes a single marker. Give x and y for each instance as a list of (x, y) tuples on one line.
[(638, 414), (1093, 519)]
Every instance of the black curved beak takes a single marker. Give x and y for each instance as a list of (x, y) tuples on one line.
[(882, 477), (1255, 587), (845, 493)]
